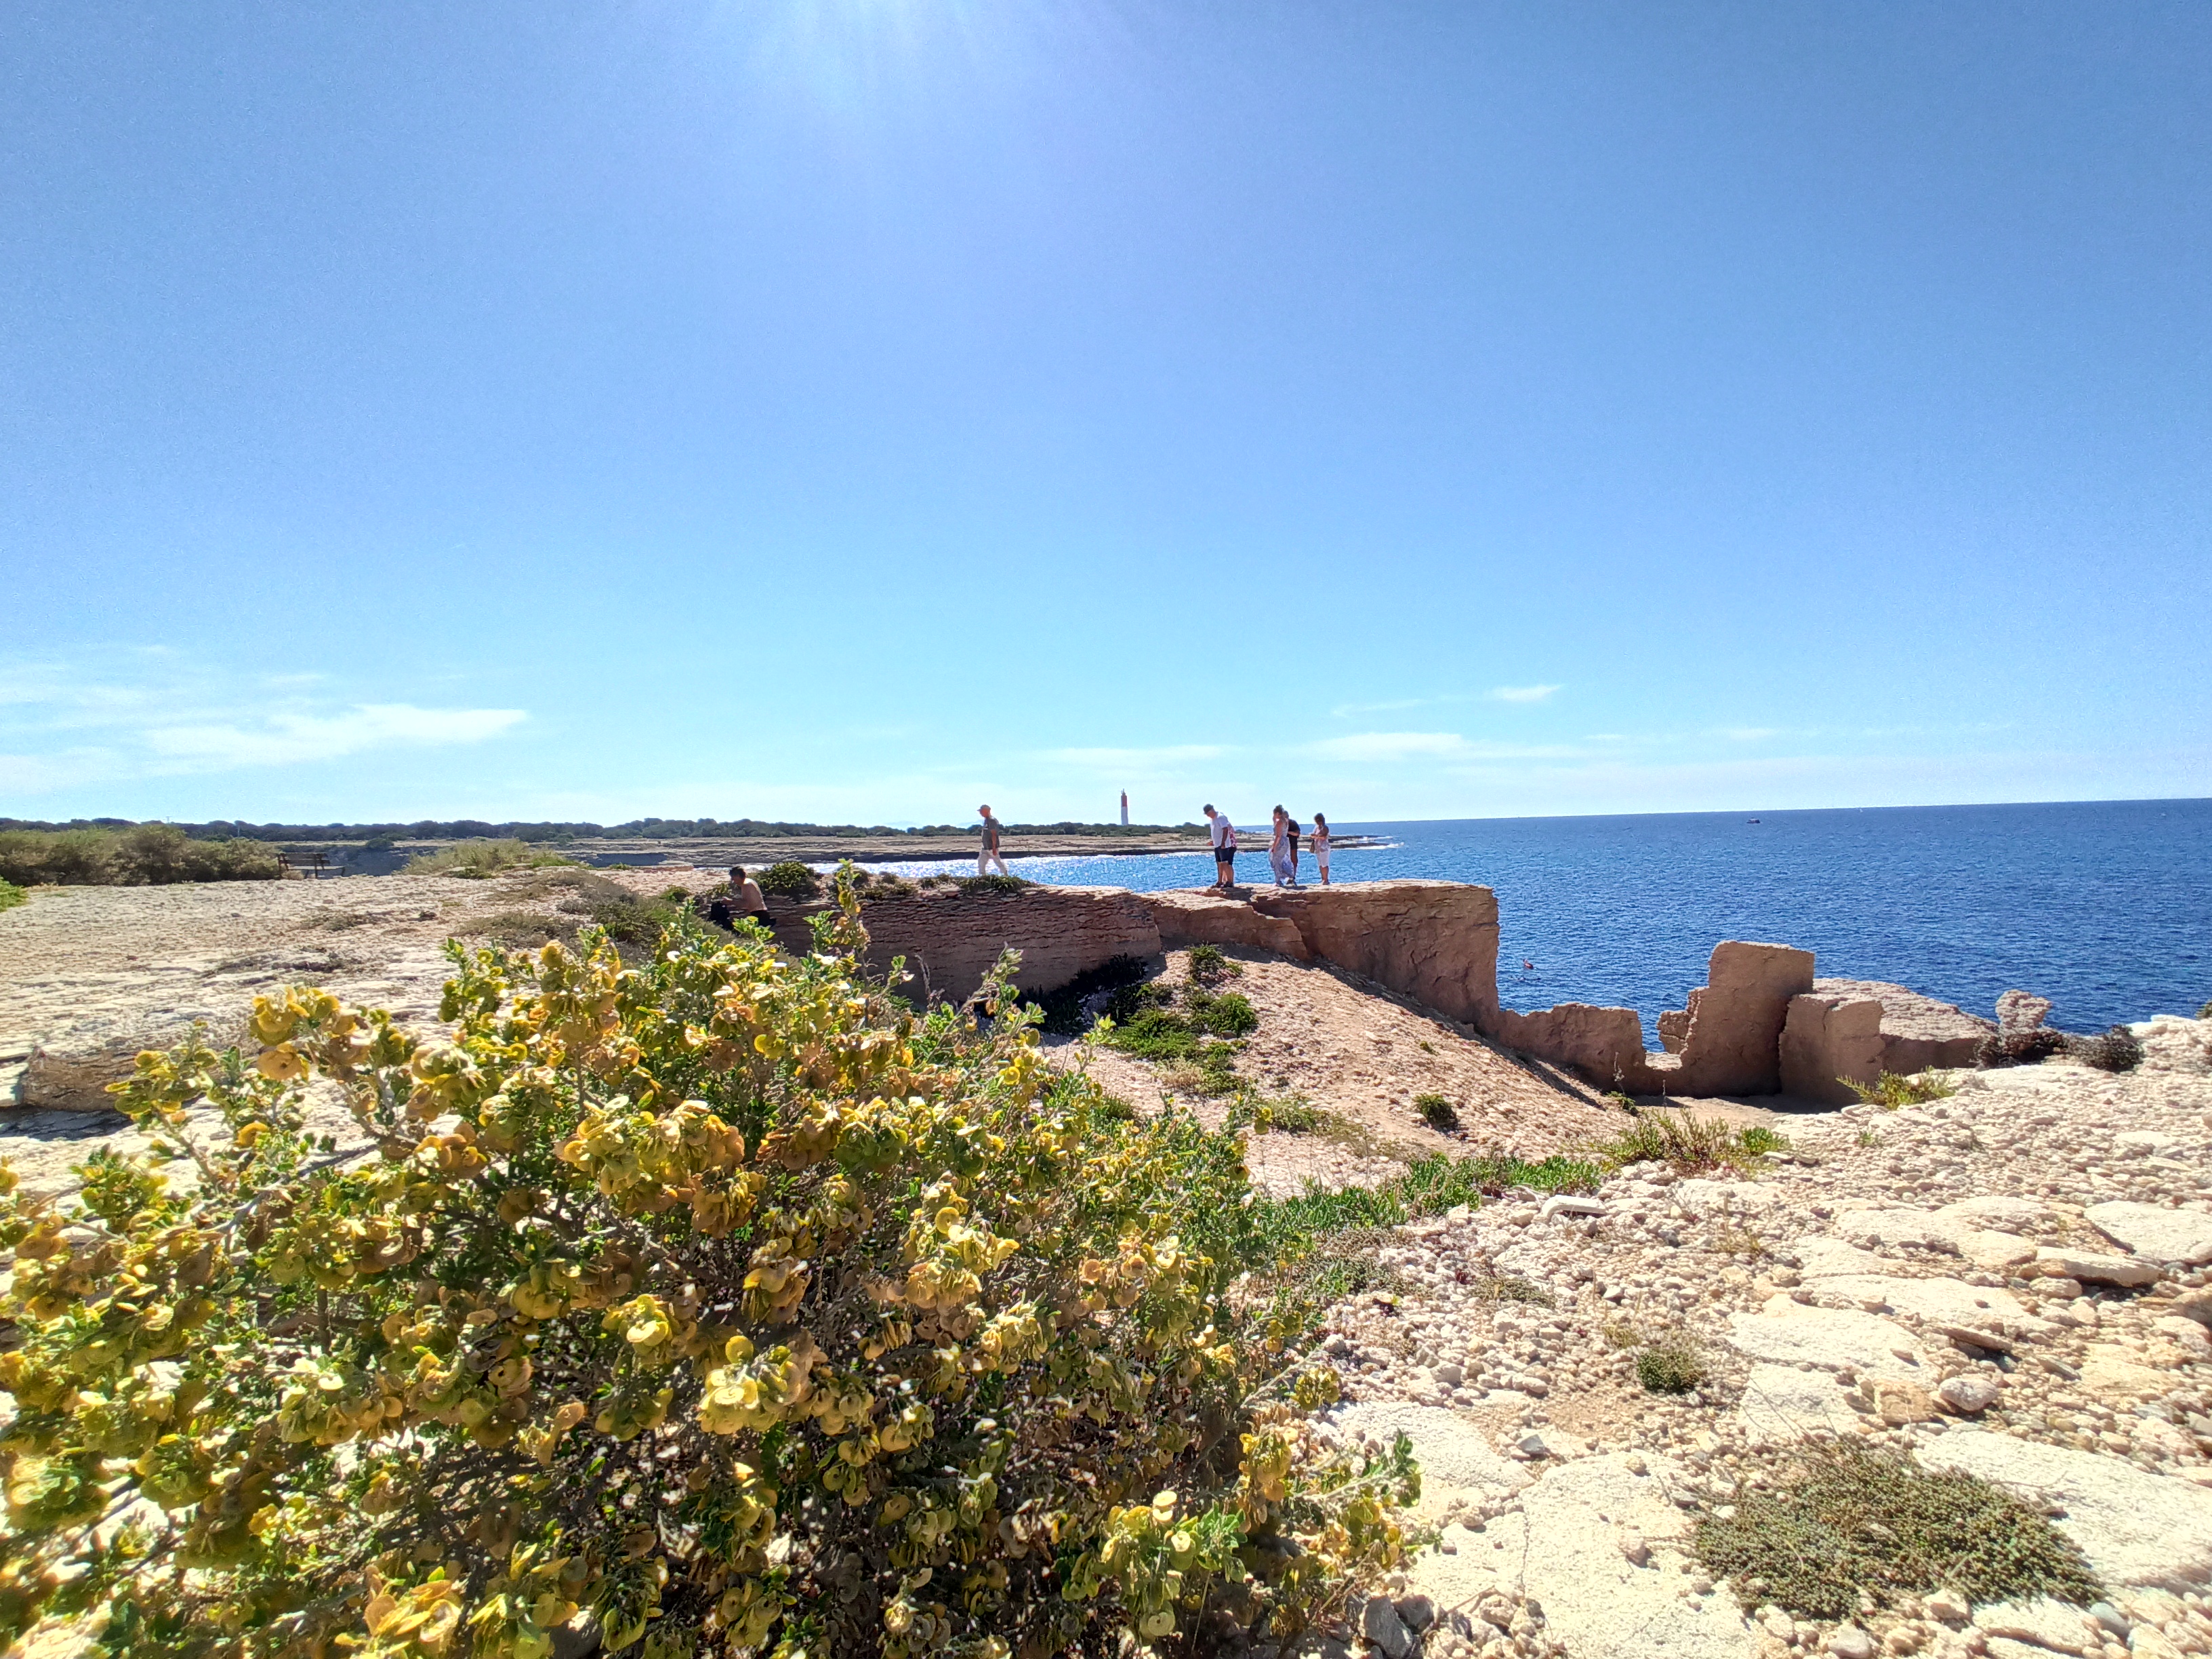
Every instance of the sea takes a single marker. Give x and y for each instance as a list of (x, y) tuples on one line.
[(2104, 907)]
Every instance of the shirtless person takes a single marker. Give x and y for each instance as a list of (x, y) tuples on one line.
[(745, 902)]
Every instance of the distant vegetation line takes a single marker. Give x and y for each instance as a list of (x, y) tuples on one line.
[(642, 829)]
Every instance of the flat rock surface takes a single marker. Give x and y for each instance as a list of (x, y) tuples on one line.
[(2154, 1231), (1564, 1546), (1834, 1339)]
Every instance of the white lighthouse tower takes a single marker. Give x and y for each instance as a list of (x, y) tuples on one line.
[(1125, 809)]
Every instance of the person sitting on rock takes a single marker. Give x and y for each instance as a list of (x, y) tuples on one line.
[(742, 901)]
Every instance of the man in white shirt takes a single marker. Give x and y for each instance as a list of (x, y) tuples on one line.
[(1225, 847)]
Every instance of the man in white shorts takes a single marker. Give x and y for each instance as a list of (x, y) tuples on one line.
[(1224, 835), (988, 854)]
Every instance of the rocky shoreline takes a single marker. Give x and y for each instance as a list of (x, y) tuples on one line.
[(2013, 1279)]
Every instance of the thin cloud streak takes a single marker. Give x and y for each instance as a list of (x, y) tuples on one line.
[(1521, 693)]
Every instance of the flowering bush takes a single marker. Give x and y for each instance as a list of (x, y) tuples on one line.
[(718, 1303)]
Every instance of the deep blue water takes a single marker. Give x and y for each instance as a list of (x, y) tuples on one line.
[(2104, 907)]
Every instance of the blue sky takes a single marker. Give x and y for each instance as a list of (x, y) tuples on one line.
[(861, 408)]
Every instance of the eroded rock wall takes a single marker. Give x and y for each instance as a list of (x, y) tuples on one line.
[(1435, 941), (950, 939), (1918, 1032), (1826, 1038), (1187, 919)]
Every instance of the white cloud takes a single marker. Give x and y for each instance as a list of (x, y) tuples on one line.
[(1427, 745), (287, 739), (1521, 693), (109, 715), (1749, 734)]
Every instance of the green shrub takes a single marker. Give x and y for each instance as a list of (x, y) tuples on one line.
[(1889, 1090), (1293, 1114), (2205, 1013), (474, 860), (1437, 1112), (789, 879), (138, 855), (1228, 1014), (1001, 886), (1673, 1366), (723, 1298), (1209, 968), (10, 896), (1688, 1144), (1853, 1528), (1129, 1001)]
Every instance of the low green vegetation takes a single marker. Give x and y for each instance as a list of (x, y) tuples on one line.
[(1849, 1527), (994, 886), (1689, 1145), (1323, 1243), (575, 900), (1194, 1032), (872, 885), (1671, 1365), (1889, 1090), (10, 896), (141, 854), (477, 860), (1438, 1113), (789, 879), (1290, 1114), (1210, 968)]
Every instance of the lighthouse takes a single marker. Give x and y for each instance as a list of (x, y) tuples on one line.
[(1125, 809)]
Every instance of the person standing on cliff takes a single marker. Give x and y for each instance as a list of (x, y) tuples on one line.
[(1278, 856), (1290, 830), (1224, 836), (1320, 845), (988, 855)]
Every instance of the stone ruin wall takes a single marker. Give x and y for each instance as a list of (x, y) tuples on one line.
[(1760, 1024)]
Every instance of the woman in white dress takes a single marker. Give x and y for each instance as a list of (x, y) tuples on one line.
[(1279, 850)]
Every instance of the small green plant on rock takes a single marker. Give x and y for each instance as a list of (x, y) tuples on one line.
[(1209, 967), (1292, 1115), (10, 896), (994, 886), (1671, 1365), (1438, 1113), (1689, 1145), (1850, 1525), (1889, 1090)]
